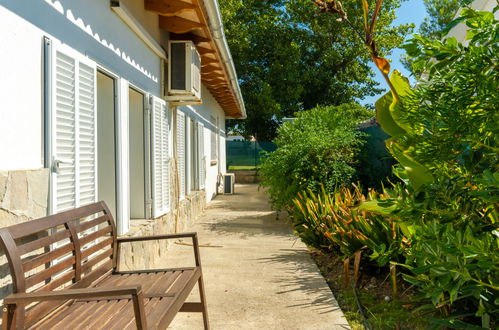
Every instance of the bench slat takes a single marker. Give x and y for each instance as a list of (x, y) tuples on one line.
[(31, 227), (96, 259), (94, 235), (87, 252), (49, 272), (100, 319), (47, 257), (43, 242), (182, 287), (91, 223)]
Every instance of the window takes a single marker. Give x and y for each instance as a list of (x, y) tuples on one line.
[(214, 144)]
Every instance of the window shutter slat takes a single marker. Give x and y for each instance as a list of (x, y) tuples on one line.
[(161, 167), (181, 152), (64, 130), (202, 158), (87, 146)]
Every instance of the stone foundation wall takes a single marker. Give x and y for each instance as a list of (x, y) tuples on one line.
[(151, 254), (23, 197)]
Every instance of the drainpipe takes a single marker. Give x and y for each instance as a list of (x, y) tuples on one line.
[(216, 27)]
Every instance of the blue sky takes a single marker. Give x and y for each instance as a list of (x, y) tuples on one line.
[(411, 11)]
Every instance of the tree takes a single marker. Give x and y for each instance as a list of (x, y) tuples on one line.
[(440, 14), (290, 59)]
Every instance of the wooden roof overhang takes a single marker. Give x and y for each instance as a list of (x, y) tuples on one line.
[(188, 20)]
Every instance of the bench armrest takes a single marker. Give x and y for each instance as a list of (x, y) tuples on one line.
[(18, 298), (135, 292), (156, 237), (194, 237)]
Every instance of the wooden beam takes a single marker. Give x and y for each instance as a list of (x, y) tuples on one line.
[(219, 89), (209, 57), (207, 61), (207, 72), (212, 68), (215, 82), (212, 75), (189, 36), (178, 24), (168, 7), (205, 50)]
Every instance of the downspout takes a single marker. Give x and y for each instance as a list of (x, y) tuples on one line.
[(216, 27)]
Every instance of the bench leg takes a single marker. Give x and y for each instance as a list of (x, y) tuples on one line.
[(203, 303)]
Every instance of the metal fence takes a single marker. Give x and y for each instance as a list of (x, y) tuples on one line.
[(247, 153)]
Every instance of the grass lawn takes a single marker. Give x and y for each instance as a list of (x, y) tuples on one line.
[(242, 167)]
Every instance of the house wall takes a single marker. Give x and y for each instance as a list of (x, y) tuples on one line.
[(459, 31), (93, 29), (203, 113)]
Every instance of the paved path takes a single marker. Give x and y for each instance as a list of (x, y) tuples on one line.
[(257, 275)]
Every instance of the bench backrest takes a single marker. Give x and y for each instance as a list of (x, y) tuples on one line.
[(69, 249)]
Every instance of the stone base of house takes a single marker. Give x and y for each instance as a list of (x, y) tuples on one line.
[(23, 197), (151, 254)]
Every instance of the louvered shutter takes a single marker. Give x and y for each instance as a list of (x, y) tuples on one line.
[(72, 129), (160, 158), (181, 151), (202, 157), (189, 161)]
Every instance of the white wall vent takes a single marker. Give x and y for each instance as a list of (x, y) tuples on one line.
[(184, 73)]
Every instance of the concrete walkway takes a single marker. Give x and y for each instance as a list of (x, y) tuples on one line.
[(257, 275)]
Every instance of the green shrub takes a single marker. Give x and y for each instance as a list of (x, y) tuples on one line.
[(332, 222), (445, 138), (318, 148)]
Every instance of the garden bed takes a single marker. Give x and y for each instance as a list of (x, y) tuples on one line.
[(374, 294)]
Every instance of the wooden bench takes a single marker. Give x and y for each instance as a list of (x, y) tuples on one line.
[(65, 275)]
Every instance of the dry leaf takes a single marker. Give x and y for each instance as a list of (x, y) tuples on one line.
[(382, 64)]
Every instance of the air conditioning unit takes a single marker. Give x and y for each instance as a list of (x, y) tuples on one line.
[(229, 180), (184, 73)]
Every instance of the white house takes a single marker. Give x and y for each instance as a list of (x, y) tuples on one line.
[(87, 111)]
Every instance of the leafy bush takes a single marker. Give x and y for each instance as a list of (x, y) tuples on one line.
[(318, 148), (333, 222), (444, 136)]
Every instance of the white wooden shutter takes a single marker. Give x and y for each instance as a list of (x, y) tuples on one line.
[(87, 149), (181, 151), (160, 158), (201, 158), (189, 161), (72, 129)]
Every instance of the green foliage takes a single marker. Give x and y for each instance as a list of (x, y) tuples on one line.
[(446, 145), (375, 162), (333, 222), (290, 59), (440, 14), (318, 148)]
